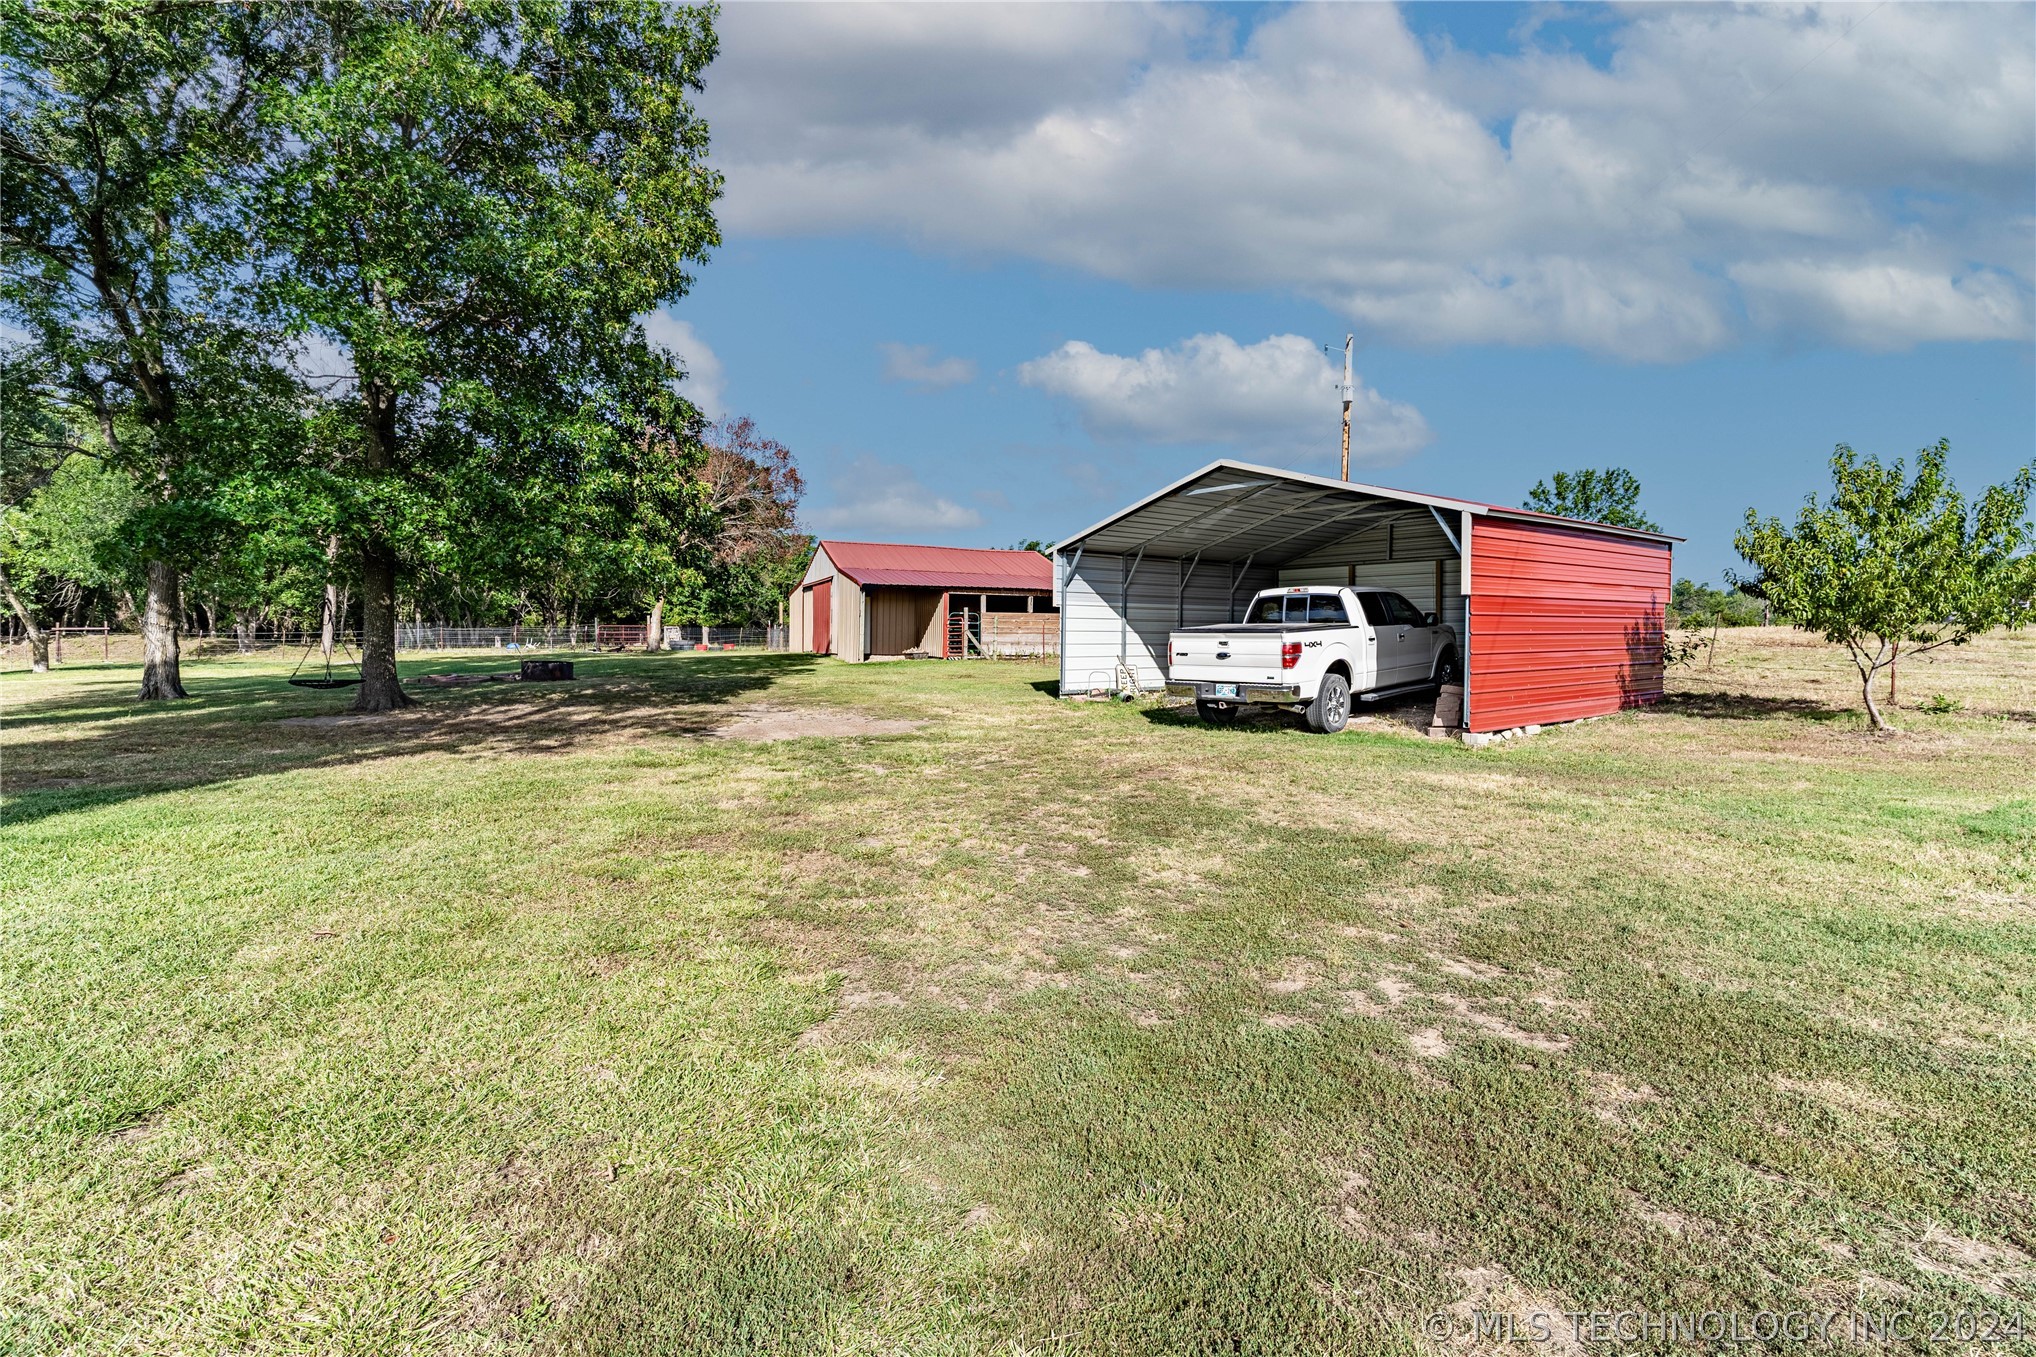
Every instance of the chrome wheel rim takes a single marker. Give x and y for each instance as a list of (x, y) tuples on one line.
[(1337, 706)]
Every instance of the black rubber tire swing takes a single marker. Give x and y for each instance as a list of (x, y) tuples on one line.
[(328, 681)]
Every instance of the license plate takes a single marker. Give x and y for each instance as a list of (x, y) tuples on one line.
[(1221, 690)]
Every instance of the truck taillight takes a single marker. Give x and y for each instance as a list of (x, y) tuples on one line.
[(1290, 654)]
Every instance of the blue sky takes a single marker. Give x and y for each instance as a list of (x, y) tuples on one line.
[(993, 272)]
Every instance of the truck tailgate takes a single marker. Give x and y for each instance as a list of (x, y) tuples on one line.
[(1209, 655)]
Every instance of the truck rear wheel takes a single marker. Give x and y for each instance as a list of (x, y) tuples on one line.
[(1215, 714), (1330, 711)]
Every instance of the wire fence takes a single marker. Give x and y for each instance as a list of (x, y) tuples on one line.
[(100, 643), (594, 636)]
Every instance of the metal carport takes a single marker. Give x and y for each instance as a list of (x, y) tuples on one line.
[(1575, 609)]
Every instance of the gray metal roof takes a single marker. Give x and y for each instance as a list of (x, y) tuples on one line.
[(1229, 511)]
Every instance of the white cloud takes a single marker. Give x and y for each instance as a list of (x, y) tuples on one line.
[(879, 498), (1432, 197), (916, 364), (1275, 397), (1883, 306), (704, 378)]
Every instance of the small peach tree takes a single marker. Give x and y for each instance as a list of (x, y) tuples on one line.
[(1888, 564)]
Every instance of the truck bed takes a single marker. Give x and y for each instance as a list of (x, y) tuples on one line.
[(1248, 627)]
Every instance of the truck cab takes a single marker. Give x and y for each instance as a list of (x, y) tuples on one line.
[(1311, 649)]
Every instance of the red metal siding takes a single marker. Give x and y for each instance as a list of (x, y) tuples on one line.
[(823, 617), (1563, 623)]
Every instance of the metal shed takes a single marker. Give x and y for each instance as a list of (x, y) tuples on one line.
[(1556, 619), (867, 600)]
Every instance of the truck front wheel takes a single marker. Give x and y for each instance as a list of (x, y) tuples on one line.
[(1330, 711), (1216, 714), (1447, 670)]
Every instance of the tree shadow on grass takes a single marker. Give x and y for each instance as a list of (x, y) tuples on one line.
[(1723, 706), (247, 725)]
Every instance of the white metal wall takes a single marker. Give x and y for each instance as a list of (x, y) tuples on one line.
[(1397, 556), (1114, 607)]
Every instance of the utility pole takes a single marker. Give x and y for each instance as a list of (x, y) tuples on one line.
[(1347, 391)]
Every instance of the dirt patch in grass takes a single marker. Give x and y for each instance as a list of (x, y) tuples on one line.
[(1488, 1294), (1554, 1043), (1609, 1096), (1429, 1045), (133, 1134), (188, 1180), (759, 725), (1997, 1269), (1840, 1096), (1466, 969), (1673, 1222)]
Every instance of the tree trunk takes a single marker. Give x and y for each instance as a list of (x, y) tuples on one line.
[(38, 639), (325, 632), (380, 688), (1872, 708), (654, 628), (162, 676)]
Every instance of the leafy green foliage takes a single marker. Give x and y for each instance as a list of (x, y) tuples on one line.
[(1703, 605), (64, 536), (1685, 646), (1609, 496), (752, 488), (34, 435), (1890, 565), (131, 134), (480, 200)]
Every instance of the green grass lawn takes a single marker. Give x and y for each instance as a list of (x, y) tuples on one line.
[(546, 1018)]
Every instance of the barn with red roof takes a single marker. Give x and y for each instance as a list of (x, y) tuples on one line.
[(885, 600)]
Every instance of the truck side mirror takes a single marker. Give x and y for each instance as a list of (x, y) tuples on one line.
[(1429, 619)]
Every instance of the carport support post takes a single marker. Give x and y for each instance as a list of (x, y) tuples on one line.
[(1125, 570), (1237, 577)]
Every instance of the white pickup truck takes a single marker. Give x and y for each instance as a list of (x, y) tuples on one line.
[(1310, 650)]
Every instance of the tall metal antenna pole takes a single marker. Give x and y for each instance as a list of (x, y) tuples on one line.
[(1347, 392)]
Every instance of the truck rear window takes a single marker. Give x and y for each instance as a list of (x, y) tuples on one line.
[(1296, 610), (1272, 609)]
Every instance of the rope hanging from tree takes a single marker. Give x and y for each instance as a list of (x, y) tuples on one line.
[(326, 619)]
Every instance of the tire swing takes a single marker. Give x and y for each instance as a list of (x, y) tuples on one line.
[(328, 681)]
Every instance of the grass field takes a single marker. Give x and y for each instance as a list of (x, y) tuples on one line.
[(564, 1019)]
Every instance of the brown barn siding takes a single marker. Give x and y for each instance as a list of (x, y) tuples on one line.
[(849, 602), (900, 619), (800, 620)]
